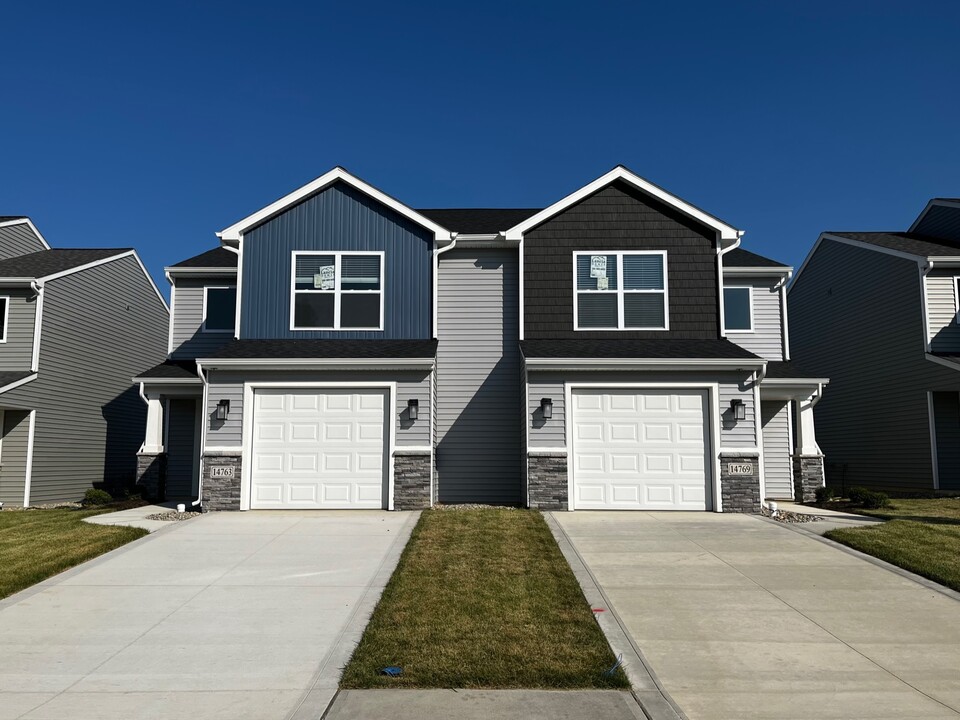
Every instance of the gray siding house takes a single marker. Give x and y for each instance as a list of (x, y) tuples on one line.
[(75, 325), (877, 312), (616, 350)]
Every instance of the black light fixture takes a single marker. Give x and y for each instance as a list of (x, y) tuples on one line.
[(413, 408), (546, 408), (223, 408), (738, 409)]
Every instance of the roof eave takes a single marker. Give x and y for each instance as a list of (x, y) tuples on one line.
[(233, 233), (587, 363)]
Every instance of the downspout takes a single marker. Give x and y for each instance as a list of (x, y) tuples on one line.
[(143, 396), (721, 251), (436, 279), (203, 434)]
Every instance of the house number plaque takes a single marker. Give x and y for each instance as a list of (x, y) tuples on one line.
[(222, 471), (740, 468)]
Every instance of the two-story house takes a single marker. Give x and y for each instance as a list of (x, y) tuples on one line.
[(878, 312), (614, 350), (74, 325)]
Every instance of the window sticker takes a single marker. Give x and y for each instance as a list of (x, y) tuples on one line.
[(598, 266), (603, 283), (324, 279)]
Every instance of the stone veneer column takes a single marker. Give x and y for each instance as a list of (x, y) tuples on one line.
[(221, 493), (547, 481), (740, 493), (807, 477), (151, 474), (411, 480)]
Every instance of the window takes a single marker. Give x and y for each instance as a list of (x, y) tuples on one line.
[(219, 309), (5, 317), (956, 298), (337, 291), (738, 309), (620, 291)]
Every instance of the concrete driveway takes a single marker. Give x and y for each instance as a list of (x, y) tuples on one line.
[(234, 615), (743, 618)]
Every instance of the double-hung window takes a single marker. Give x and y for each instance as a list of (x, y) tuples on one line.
[(337, 291), (738, 309), (219, 309), (620, 291)]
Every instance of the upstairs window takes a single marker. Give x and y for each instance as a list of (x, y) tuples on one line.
[(337, 291), (620, 291), (738, 309), (219, 309), (4, 317)]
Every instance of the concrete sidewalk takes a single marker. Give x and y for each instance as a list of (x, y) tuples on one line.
[(137, 517), (831, 519), (741, 617), (230, 615)]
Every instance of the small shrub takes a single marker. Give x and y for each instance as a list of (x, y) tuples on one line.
[(825, 493), (96, 497), (857, 494), (874, 500)]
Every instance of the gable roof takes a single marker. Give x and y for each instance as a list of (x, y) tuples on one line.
[(45, 263), (218, 257), (479, 221), (904, 242), (931, 204), (728, 233), (740, 258), (8, 220), (337, 174)]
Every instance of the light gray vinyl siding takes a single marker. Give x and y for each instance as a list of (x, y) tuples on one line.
[(101, 326), (17, 352), (411, 384), (189, 340), (766, 340), (946, 410), (856, 317), (942, 222), (18, 240), (478, 361), (777, 465), (182, 454), (942, 310), (13, 456), (551, 433)]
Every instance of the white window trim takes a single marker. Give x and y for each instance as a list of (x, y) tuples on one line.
[(956, 298), (6, 318), (753, 325), (203, 325), (337, 292), (620, 291)]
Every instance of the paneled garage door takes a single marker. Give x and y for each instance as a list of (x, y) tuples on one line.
[(318, 449), (640, 449)]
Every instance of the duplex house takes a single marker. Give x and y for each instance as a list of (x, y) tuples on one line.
[(616, 350), (74, 325), (878, 313)]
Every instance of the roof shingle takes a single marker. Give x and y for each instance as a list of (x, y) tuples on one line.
[(741, 258), (340, 349), (218, 257), (49, 262), (905, 242), (479, 221), (629, 349)]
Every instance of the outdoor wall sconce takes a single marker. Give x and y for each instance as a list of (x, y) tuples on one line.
[(546, 408), (738, 409), (413, 408), (223, 408)]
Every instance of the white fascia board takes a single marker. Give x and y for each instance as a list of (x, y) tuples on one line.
[(919, 259), (33, 228), (930, 204), (18, 383), (338, 174), (174, 271), (104, 261), (641, 364), (953, 365), (16, 281), (166, 381), (725, 232), (773, 271), (794, 381), (318, 364)]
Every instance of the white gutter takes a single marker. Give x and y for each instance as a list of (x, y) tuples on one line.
[(436, 278), (203, 432)]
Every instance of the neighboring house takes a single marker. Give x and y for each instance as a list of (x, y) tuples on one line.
[(343, 350), (75, 325), (877, 312)]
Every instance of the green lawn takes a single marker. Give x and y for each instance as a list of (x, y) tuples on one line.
[(483, 599), (35, 544), (922, 536)]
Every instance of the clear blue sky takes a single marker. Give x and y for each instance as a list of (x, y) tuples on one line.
[(123, 124)]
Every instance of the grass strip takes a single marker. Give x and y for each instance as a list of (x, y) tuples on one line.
[(483, 599), (36, 544)]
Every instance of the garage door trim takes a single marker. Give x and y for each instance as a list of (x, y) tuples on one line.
[(712, 435), (249, 389)]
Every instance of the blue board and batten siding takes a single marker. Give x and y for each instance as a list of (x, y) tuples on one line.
[(339, 218)]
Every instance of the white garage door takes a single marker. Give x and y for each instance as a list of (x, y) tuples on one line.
[(318, 449), (640, 450)]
